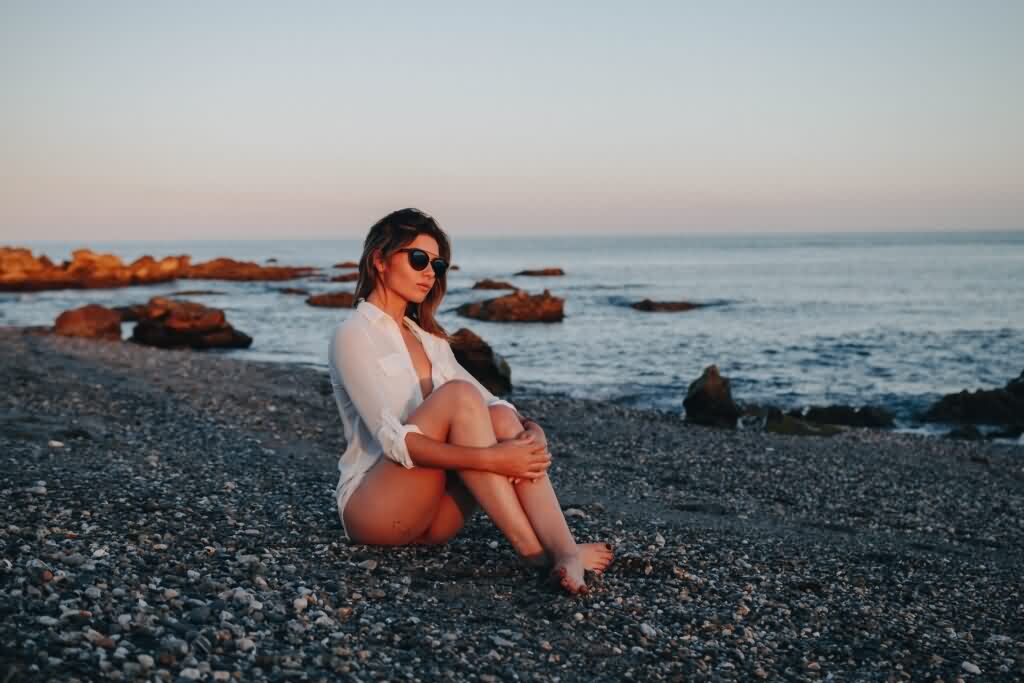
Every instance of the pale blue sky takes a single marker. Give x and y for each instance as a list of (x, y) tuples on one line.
[(313, 119)]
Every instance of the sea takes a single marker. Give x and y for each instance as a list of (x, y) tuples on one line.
[(798, 319)]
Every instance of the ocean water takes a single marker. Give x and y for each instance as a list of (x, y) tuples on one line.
[(895, 319)]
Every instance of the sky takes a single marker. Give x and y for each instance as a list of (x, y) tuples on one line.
[(249, 120)]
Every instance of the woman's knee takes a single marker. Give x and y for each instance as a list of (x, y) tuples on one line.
[(463, 394), (505, 421)]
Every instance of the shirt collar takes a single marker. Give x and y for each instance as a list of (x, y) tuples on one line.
[(375, 315)]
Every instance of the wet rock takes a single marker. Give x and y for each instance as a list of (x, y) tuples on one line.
[(1004, 407), (542, 272), (709, 400), (168, 323), (864, 416), (298, 291), (345, 277), (333, 300), (93, 321), (480, 360), (347, 264), (519, 306), (664, 306)]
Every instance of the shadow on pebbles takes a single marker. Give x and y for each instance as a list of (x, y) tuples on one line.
[(168, 515)]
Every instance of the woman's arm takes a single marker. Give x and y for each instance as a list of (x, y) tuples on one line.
[(353, 356)]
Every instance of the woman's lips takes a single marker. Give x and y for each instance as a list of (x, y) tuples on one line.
[(425, 288)]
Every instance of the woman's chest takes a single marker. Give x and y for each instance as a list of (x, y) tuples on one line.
[(422, 366)]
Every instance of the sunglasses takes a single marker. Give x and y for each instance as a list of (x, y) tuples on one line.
[(419, 260)]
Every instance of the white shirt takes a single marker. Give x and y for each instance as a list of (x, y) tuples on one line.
[(376, 388)]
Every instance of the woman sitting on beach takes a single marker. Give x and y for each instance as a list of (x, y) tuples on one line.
[(449, 443)]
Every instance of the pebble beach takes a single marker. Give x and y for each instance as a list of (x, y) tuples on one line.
[(168, 515)]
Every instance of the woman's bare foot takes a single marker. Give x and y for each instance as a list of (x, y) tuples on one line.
[(595, 556), (568, 571)]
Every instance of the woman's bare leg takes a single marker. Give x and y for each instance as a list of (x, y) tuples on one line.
[(541, 505), (455, 412)]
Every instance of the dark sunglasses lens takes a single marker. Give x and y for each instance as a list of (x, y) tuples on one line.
[(418, 259), (440, 266)]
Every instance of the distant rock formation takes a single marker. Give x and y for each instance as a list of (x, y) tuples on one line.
[(294, 290), (518, 306), (664, 306), (493, 284), (345, 277), (347, 264), (229, 269), (22, 272), (542, 272), (333, 300)]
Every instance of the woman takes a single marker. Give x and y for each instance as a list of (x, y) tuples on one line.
[(448, 443)]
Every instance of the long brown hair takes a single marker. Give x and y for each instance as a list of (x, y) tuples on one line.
[(391, 233)]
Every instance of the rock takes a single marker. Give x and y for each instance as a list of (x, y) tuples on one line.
[(347, 264), (518, 306), (965, 433), (20, 271), (245, 644), (648, 631), (493, 284), (294, 290), (333, 300), (93, 321), (971, 667), (771, 419), (865, 416), (345, 277), (542, 272), (477, 357), (229, 269), (1003, 406), (664, 306), (709, 400), (1016, 386), (167, 323)]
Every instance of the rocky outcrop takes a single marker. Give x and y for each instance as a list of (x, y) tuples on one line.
[(476, 355), (865, 416), (93, 321), (709, 400), (664, 306), (229, 269), (1003, 407), (772, 419), (519, 306), (493, 284), (294, 290), (542, 272), (167, 323), (22, 272), (333, 300), (345, 277), (347, 264)]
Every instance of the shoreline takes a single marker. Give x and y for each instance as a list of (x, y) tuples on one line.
[(187, 525)]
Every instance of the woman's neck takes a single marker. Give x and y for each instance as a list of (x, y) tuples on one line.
[(395, 306)]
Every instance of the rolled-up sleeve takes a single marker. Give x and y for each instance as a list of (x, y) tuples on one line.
[(464, 374), (354, 358)]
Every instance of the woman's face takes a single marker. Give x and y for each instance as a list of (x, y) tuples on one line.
[(399, 275)]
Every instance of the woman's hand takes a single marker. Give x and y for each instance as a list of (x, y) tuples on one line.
[(520, 458)]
